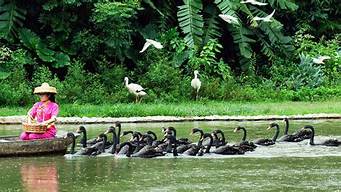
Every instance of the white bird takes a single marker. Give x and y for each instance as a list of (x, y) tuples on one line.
[(196, 83), (135, 89), (229, 18), (265, 19), (149, 42), (254, 2), (320, 59)]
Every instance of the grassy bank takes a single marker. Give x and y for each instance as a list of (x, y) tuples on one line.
[(190, 109)]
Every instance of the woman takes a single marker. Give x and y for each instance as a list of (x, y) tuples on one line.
[(44, 113)]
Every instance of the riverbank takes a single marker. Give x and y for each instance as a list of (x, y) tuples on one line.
[(200, 111), (149, 119), (189, 109)]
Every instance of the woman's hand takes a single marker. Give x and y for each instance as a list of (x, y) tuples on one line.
[(43, 123)]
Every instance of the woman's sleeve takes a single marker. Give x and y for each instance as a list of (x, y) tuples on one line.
[(54, 110), (33, 111)]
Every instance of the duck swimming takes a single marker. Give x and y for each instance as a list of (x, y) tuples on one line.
[(172, 131), (127, 147), (228, 150), (244, 144), (267, 142), (329, 142), (296, 137), (94, 149), (148, 151), (193, 149), (112, 146), (206, 149), (84, 142), (218, 139), (73, 145), (134, 141)]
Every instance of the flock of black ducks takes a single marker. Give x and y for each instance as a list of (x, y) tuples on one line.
[(147, 145)]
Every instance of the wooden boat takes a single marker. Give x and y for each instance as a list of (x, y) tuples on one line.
[(12, 146)]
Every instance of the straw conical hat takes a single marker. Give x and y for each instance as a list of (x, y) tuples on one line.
[(45, 88)]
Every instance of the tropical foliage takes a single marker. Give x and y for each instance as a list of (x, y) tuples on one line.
[(87, 47)]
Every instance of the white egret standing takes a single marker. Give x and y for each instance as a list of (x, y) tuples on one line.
[(265, 19), (229, 18), (196, 83), (135, 89), (320, 59), (254, 2), (149, 42)]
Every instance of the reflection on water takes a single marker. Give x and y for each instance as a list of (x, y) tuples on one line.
[(38, 177), (292, 166)]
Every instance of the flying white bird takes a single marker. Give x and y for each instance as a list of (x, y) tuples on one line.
[(149, 42), (265, 19), (196, 83), (254, 2), (229, 18), (320, 59), (135, 89)]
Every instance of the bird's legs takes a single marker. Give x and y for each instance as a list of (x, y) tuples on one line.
[(197, 95), (136, 99)]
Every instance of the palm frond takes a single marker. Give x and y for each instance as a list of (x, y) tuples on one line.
[(212, 29), (191, 21), (241, 38), (11, 19)]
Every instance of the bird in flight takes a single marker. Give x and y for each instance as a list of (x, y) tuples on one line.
[(320, 59), (229, 18), (254, 2), (265, 19), (149, 42)]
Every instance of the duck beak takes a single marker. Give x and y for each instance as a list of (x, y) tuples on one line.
[(269, 128), (235, 130), (106, 132)]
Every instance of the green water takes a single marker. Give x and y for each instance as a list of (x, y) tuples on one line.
[(283, 167)]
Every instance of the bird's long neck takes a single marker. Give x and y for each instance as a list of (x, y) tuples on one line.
[(126, 82), (104, 142), (276, 133), (118, 134), (311, 142), (210, 143), (244, 134), (223, 137), (286, 127), (195, 76), (84, 139), (114, 140), (175, 152), (174, 132), (73, 142)]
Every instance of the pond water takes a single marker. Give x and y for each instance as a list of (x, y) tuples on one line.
[(282, 167)]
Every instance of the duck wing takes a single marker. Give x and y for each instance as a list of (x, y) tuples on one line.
[(264, 142)]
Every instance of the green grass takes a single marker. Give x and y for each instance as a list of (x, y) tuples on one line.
[(190, 109)]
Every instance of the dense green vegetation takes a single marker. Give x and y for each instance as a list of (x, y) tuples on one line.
[(188, 109), (86, 47)]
